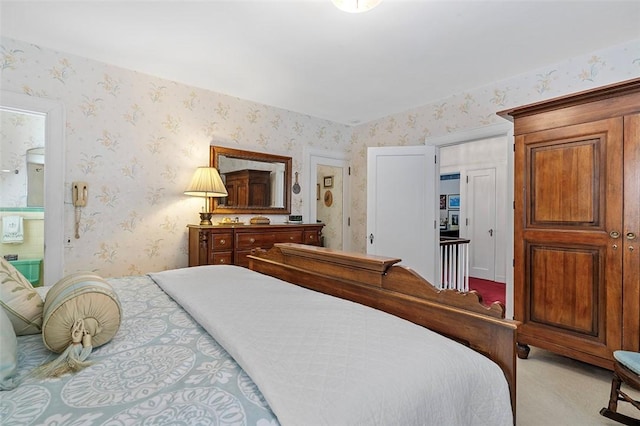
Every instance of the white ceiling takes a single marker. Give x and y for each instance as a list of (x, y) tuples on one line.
[(309, 57)]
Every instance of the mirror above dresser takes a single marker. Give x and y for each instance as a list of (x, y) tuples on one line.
[(257, 183)]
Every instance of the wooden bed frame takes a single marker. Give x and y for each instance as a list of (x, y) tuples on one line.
[(377, 282)]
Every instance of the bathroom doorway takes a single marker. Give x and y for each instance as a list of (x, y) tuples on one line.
[(51, 241)]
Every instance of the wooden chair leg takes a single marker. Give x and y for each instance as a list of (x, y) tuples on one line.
[(611, 411)]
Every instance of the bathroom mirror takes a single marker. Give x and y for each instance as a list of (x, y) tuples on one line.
[(257, 183)]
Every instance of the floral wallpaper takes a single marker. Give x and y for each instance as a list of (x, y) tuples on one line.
[(136, 140), (477, 108)]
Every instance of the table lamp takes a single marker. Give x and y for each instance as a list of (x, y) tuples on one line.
[(206, 182)]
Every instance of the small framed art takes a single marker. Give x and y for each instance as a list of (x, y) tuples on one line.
[(328, 182), (453, 201), (454, 219)]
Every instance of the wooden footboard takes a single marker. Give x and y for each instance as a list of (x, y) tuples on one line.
[(377, 282)]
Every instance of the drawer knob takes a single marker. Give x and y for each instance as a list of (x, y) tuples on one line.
[(222, 242), (252, 240), (291, 238), (221, 260), (311, 237)]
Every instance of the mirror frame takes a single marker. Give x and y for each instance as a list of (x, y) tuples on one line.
[(216, 151)]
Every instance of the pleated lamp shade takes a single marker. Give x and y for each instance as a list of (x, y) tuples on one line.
[(206, 182)]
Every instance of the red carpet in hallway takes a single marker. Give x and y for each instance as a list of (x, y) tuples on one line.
[(490, 291)]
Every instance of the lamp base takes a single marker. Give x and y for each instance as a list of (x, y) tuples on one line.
[(205, 218)]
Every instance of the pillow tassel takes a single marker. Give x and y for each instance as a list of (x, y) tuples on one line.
[(73, 358)]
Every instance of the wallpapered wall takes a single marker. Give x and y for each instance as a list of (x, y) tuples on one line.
[(477, 108), (137, 139)]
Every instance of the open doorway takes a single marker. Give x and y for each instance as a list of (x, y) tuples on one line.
[(53, 207), (450, 205), (480, 156), (479, 207), (327, 179)]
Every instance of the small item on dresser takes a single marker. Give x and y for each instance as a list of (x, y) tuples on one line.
[(10, 257), (293, 218), (229, 221), (260, 220)]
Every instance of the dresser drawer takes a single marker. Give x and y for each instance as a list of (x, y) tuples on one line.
[(311, 238), (288, 237), (221, 258), (240, 258), (253, 240), (221, 242)]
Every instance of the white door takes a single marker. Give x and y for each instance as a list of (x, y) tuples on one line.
[(402, 207), (481, 216)]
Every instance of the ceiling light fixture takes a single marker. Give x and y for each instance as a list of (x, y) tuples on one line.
[(355, 6)]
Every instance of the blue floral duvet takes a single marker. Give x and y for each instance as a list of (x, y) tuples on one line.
[(161, 368)]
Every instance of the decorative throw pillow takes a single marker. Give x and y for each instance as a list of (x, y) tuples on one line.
[(85, 297), (8, 353), (19, 300), (81, 312)]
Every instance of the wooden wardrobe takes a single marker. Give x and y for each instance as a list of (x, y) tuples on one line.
[(577, 223)]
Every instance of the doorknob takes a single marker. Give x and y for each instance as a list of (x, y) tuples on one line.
[(491, 232)]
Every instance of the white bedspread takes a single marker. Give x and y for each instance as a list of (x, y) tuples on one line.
[(320, 360)]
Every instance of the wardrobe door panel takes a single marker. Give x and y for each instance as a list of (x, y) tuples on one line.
[(631, 246), (568, 279), (565, 289)]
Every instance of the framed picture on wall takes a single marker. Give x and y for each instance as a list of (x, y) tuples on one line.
[(454, 219), (444, 220), (443, 202), (454, 201), (328, 181)]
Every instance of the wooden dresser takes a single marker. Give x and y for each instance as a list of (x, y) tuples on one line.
[(577, 223), (230, 244)]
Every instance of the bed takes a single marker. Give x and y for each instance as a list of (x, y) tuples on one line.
[(227, 345)]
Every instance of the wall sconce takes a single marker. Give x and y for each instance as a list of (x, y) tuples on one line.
[(206, 182)]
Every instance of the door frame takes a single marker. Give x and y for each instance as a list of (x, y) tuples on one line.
[(500, 129), (54, 176), (312, 157)]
